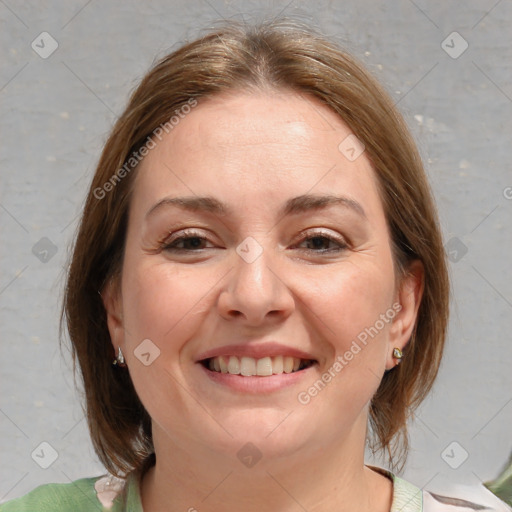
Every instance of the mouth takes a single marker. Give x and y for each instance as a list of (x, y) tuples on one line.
[(251, 367)]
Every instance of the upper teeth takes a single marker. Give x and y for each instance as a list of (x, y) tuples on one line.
[(249, 366)]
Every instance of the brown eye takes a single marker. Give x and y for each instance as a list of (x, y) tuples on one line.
[(189, 241), (321, 242)]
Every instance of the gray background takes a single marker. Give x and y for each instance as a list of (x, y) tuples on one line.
[(55, 116)]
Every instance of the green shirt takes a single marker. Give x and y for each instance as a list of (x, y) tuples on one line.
[(111, 494)]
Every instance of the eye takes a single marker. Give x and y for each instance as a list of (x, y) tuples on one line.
[(189, 241), (319, 242), (193, 241)]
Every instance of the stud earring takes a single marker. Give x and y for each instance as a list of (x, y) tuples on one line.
[(398, 355), (119, 360)]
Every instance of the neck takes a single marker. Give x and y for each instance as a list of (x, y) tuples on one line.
[(196, 479)]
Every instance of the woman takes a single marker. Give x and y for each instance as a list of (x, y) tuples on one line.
[(258, 277)]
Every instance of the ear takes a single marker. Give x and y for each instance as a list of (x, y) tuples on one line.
[(111, 296), (408, 297)]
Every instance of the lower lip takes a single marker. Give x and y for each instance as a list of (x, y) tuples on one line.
[(256, 384)]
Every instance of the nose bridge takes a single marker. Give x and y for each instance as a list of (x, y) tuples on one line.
[(253, 267), (255, 288)]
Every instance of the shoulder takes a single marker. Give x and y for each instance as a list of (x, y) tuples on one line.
[(452, 498), (406, 496), (55, 497), (463, 498), (84, 495)]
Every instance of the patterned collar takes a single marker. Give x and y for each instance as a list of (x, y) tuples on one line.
[(122, 495)]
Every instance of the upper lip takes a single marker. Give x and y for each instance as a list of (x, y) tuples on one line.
[(255, 350)]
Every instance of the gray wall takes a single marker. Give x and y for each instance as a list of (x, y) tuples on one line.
[(57, 111)]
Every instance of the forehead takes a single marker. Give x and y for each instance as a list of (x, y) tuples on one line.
[(254, 142), (241, 120)]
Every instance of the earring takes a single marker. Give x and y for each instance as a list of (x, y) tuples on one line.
[(119, 360), (398, 355)]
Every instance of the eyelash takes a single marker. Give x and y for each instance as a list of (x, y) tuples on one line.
[(167, 244)]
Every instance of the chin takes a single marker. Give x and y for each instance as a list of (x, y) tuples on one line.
[(275, 433)]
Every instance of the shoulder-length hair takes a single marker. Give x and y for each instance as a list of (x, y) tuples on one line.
[(276, 55)]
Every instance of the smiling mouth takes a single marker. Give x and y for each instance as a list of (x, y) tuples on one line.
[(249, 366)]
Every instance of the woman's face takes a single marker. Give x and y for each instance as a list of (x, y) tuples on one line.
[(261, 307)]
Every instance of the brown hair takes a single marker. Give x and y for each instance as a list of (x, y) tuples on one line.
[(278, 54)]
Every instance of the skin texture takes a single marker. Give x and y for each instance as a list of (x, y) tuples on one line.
[(253, 151)]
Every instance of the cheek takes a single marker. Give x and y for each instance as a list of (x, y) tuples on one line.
[(351, 300), (347, 317), (162, 301)]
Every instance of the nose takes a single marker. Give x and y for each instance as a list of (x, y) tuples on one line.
[(257, 291)]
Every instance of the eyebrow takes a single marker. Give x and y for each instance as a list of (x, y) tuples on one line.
[(295, 205)]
